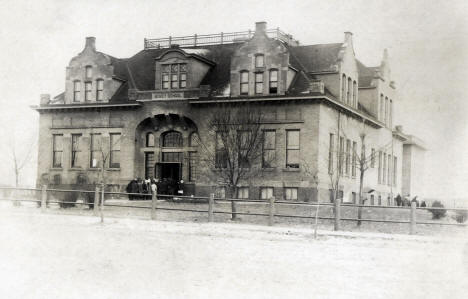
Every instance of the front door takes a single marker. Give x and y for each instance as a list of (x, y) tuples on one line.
[(170, 171)]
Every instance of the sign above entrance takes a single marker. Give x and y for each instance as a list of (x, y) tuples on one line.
[(162, 95)]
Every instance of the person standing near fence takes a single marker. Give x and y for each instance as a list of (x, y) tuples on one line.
[(154, 186)]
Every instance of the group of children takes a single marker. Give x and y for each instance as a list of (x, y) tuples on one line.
[(143, 189)]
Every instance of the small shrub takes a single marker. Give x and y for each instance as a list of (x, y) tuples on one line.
[(461, 216), (437, 213)]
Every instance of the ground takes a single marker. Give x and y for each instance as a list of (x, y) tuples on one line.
[(70, 256)]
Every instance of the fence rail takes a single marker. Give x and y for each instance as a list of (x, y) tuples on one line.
[(215, 39), (96, 199)]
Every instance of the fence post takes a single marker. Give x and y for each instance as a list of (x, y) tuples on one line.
[(96, 201), (337, 225), (413, 218), (210, 207), (102, 204), (316, 219), (154, 198), (44, 198), (271, 214)]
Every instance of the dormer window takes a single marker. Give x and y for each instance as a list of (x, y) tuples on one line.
[(76, 91), (258, 83), (244, 82), (89, 71), (175, 74), (273, 81), (259, 60)]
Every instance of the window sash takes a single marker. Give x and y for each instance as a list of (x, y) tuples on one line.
[(220, 152), (88, 90), (330, 153), (273, 81), (89, 71), (114, 160), (292, 148), (57, 150), (290, 193), (259, 60), (266, 193), (269, 148), (192, 166), (76, 150), (258, 83), (348, 153), (95, 151), (99, 89), (76, 91), (353, 165), (243, 192)]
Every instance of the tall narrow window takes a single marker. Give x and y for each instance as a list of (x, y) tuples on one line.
[(343, 88), (258, 83), (57, 149), (355, 94), (244, 82), (395, 171), (382, 106), (76, 151), (183, 75), (149, 139), (384, 170), (353, 165), (96, 151), (220, 151), (259, 60), (330, 153), (380, 167), (76, 91), (166, 70), (386, 111), (99, 90), (290, 193), (389, 176), (89, 71), (348, 156), (341, 155), (292, 148), (245, 138), (114, 161), (149, 165), (243, 192), (266, 193), (269, 148), (390, 118), (373, 158), (88, 91), (192, 166), (273, 81), (349, 94)]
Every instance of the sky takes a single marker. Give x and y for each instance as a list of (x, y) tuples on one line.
[(426, 40)]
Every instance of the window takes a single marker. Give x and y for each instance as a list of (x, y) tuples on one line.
[(292, 148), (220, 152), (389, 176), (273, 81), (353, 165), (76, 150), (89, 71), (258, 83), (244, 82), (380, 167), (176, 74), (172, 139), (259, 60), (348, 156), (269, 148), (149, 165), (290, 193), (382, 106), (193, 140), (384, 170), (373, 158), (350, 92), (343, 88), (355, 94), (394, 171), (88, 90), (330, 153), (95, 150), (245, 138), (99, 90), (57, 148), (372, 200), (386, 111), (172, 157), (243, 192), (192, 166), (390, 117), (266, 193), (341, 155), (380, 200), (354, 197), (76, 91), (114, 161), (149, 139)]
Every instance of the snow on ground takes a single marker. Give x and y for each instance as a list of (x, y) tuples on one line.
[(66, 256)]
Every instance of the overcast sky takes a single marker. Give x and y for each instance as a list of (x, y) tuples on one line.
[(427, 43)]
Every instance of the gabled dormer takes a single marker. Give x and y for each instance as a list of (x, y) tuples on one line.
[(260, 66), (349, 75), (90, 76), (181, 69)]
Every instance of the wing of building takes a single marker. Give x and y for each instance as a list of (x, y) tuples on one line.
[(145, 116)]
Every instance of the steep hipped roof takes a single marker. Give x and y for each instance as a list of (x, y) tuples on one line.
[(318, 58)]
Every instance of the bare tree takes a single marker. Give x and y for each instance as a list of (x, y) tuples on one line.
[(20, 158), (233, 147)]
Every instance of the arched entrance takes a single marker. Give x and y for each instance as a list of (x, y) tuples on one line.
[(166, 150)]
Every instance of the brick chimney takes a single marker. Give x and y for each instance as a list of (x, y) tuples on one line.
[(260, 27), (45, 99), (90, 43), (348, 37)]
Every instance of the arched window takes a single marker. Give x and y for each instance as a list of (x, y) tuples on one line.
[(350, 92), (343, 88), (149, 140), (355, 94), (172, 139)]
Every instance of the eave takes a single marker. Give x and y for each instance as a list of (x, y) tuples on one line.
[(84, 107)]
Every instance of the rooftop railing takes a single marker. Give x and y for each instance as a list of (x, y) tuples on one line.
[(215, 39)]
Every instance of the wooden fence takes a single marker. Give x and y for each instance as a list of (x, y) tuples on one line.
[(97, 198)]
